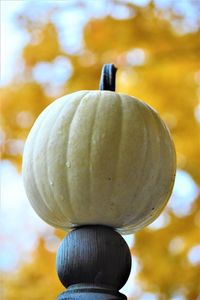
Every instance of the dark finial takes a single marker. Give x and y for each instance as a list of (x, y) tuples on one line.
[(93, 262), (107, 81)]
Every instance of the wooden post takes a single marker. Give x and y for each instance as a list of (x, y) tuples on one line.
[(93, 263)]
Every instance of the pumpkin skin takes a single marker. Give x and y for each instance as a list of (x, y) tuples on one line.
[(99, 157)]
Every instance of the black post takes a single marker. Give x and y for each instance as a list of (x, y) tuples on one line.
[(93, 263)]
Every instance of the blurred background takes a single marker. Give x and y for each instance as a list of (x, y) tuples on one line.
[(51, 48)]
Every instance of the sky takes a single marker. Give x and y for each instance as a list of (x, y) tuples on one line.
[(20, 226)]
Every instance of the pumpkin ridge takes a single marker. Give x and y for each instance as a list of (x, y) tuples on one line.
[(61, 173), (163, 203), (140, 181), (34, 178), (65, 146), (150, 218), (60, 215), (118, 149), (90, 153), (160, 129), (67, 151), (149, 176), (69, 210), (156, 169), (145, 205), (47, 169), (145, 152), (43, 211)]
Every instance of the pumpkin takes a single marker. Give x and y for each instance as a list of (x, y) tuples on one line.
[(99, 157)]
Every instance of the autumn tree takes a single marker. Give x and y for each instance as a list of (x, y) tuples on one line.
[(157, 52)]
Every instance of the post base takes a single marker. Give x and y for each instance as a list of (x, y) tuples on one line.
[(90, 292)]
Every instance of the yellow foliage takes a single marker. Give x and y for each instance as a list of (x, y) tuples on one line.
[(44, 48), (163, 256), (21, 103), (35, 280), (156, 64)]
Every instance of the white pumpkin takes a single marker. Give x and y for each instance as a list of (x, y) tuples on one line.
[(99, 157)]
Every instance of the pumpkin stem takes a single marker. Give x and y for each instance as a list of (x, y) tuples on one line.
[(107, 81)]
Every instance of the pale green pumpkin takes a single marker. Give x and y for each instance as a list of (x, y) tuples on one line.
[(99, 157)]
